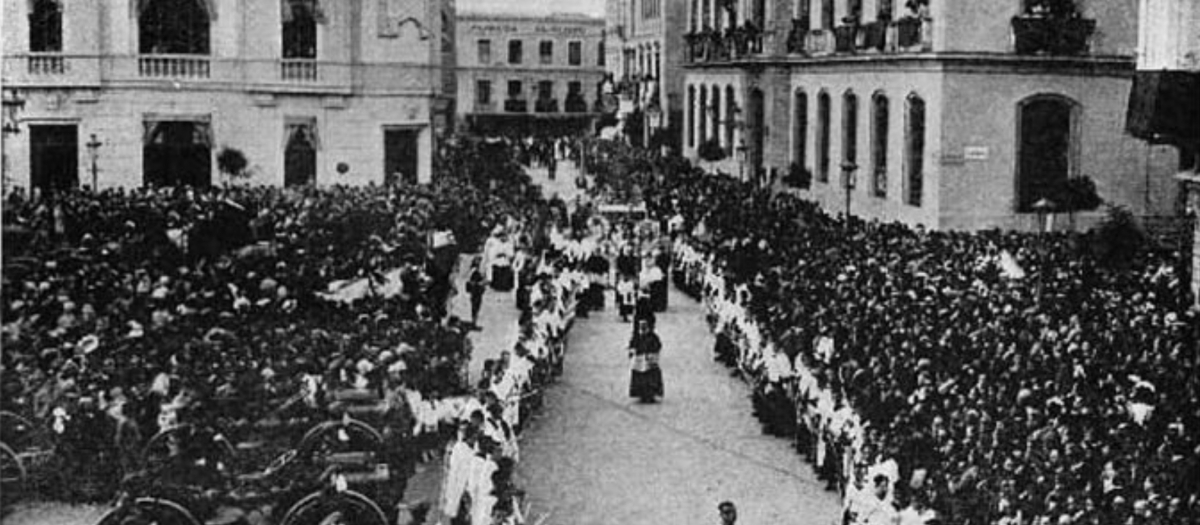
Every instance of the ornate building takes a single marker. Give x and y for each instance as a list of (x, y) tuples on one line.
[(645, 63), (529, 74), (149, 92), (947, 114)]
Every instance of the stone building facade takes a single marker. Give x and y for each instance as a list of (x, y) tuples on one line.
[(529, 74), (950, 115), (310, 91), (646, 59)]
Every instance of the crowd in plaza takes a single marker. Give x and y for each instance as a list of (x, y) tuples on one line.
[(129, 311), (947, 377)]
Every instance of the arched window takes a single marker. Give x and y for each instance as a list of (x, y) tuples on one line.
[(823, 136), (716, 114), (914, 150), (850, 127), (879, 144), (800, 128), (731, 111), (173, 27), (691, 120), (1044, 148), (702, 114), (45, 26), (300, 28)]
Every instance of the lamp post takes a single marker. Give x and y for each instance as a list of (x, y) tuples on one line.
[(742, 157), (849, 181), (93, 147), (1043, 207)]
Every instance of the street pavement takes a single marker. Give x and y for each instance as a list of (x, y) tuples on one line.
[(592, 455)]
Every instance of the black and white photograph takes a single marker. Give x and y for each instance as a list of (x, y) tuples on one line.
[(600, 262)]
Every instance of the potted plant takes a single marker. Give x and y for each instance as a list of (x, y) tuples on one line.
[(232, 162), (711, 151), (1054, 27)]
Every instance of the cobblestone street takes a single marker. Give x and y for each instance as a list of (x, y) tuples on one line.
[(595, 456)]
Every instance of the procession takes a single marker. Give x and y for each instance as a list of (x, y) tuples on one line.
[(584, 262)]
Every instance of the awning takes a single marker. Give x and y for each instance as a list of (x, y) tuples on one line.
[(531, 123), (1164, 107)]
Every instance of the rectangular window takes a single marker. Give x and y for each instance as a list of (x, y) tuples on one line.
[(850, 128), (575, 53), (800, 153), (514, 89), (514, 51), (600, 53), (45, 26), (823, 137), (484, 50), (483, 92), (879, 145), (545, 89), (914, 155), (575, 88), (546, 52)]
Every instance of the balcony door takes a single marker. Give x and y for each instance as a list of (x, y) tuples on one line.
[(177, 153), (54, 157), (174, 27), (400, 155)]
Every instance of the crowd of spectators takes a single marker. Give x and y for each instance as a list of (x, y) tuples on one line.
[(991, 377), (118, 303)]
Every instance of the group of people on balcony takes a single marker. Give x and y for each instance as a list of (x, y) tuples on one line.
[(710, 44)]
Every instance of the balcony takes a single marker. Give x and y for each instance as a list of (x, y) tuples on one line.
[(190, 67), (42, 64), (50, 70), (546, 105), (516, 105), (298, 70), (1045, 35)]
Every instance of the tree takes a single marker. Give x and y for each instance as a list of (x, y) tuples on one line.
[(798, 177), (711, 151), (1074, 195), (232, 162)]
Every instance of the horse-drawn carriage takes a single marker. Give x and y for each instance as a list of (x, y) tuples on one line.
[(345, 469)]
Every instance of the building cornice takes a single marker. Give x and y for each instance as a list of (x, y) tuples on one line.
[(504, 17), (949, 62)]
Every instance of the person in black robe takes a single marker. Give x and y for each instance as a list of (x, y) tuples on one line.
[(645, 381)]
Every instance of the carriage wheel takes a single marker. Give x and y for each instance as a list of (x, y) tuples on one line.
[(167, 444), (340, 436), (12, 472), (17, 431), (335, 508), (150, 511)]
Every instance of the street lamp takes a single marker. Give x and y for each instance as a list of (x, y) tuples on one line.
[(1044, 208), (93, 147), (849, 181)]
